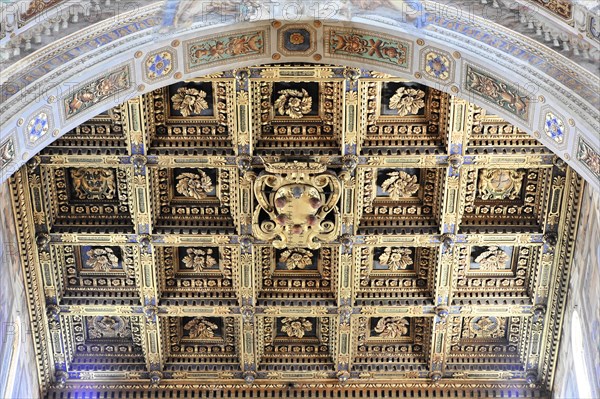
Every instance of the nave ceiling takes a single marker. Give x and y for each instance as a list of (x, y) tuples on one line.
[(297, 227)]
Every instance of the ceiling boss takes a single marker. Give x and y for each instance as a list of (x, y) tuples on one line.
[(297, 205)]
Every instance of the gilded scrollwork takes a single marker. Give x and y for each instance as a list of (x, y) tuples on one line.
[(297, 197)]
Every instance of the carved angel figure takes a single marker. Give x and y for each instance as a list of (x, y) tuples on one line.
[(295, 326), (400, 184), (199, 327), (392, 327), (492, 259), (194, 185), (407, 101), (198, 259), (396, 258), (101, 259), (293, 103), (189, 101), (297, 258)]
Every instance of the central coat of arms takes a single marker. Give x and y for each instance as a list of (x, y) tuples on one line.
[(297, 205)]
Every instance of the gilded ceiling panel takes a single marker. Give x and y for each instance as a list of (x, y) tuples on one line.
[(296, 224)]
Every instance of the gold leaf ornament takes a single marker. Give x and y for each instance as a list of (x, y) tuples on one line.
[(392, 327), (194, 185), (400, 184), (297, 258), (189, 101), (101, 259), (293, 103), (295, 326), (492, 259), (199, 259), (199, 327), (396, 258), (407, 101)]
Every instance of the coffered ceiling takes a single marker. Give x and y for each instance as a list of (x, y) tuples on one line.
[(286, 228)]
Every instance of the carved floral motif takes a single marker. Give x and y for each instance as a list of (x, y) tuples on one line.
[(194, 185), (589, 157), (500, 183), (392, 327), (297, 258), (492, 259), (293, 103), (295, 326), (189, 101), (375, 48), (226, 47), (93, 183), (97, 91), (407, 101), (198, 259), (396, 258), (101, 259), (400, 184), (200, 327), (296, 38)]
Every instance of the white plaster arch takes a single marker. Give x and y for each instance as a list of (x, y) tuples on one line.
[(578, 113)]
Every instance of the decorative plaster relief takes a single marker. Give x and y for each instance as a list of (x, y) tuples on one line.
[(97, 91), (354, 43), (222, 49)]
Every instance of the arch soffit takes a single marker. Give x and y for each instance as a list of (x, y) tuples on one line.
[(474, 71)]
